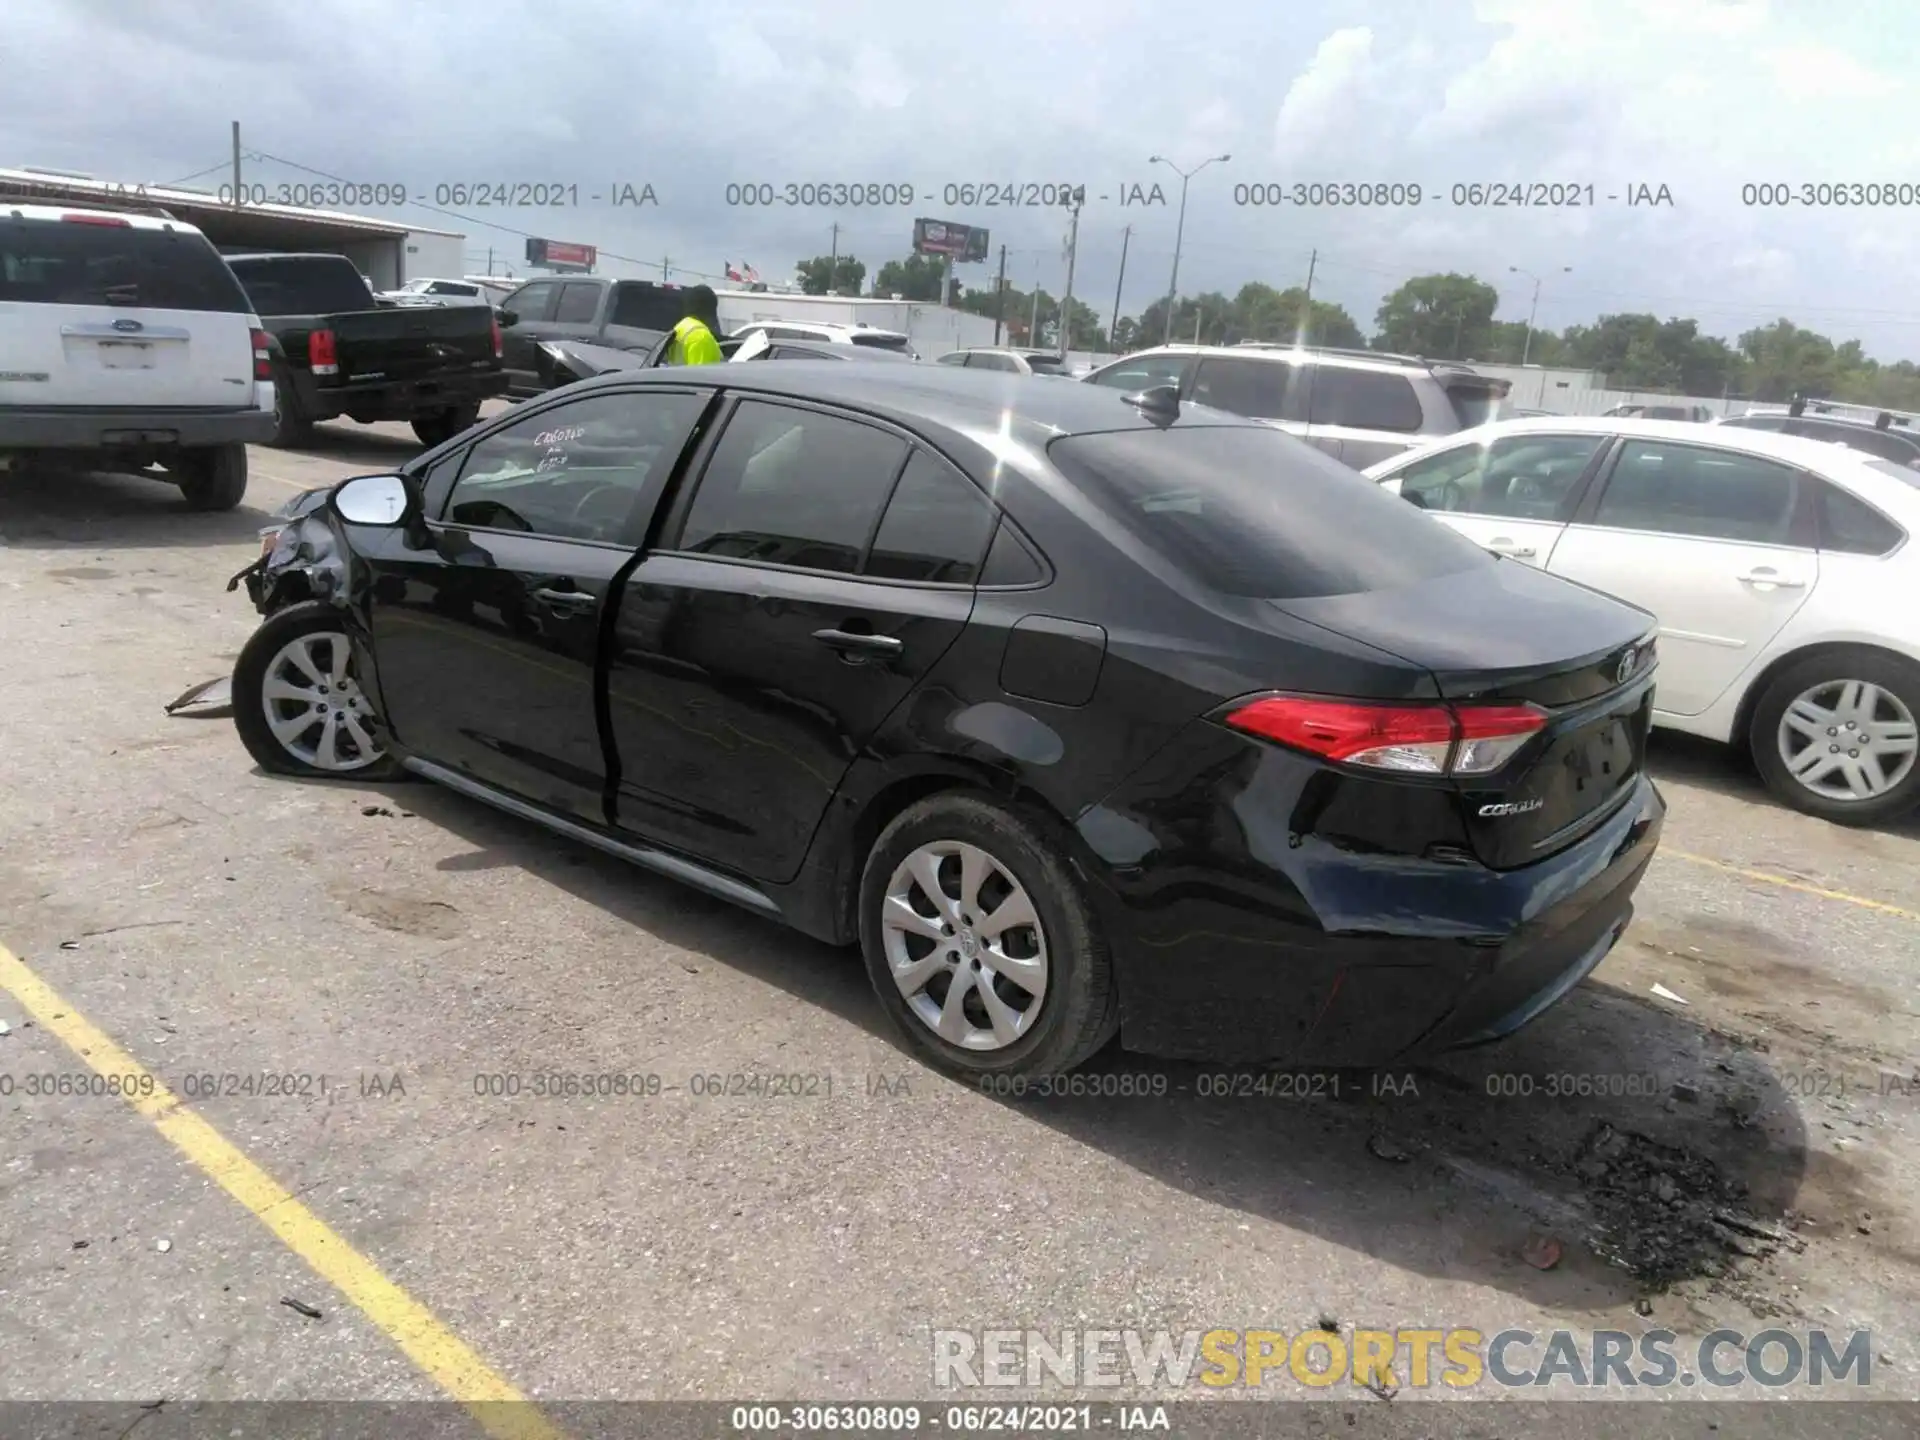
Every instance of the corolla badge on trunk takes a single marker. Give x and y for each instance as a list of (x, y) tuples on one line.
[(1509, 807)]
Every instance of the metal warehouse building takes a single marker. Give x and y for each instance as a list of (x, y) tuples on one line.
[(387, 253)]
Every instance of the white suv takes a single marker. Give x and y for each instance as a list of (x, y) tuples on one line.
[(822, 332), (126, 342)]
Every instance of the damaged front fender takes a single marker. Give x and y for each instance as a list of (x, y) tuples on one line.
[(304, 557)]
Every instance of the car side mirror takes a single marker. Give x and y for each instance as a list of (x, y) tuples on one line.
[(385, 500), (508, 319)]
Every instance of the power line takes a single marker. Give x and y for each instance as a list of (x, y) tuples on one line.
[(169, 184)]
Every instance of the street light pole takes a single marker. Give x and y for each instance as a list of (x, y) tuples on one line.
[(1526, 349), (1180, 228)]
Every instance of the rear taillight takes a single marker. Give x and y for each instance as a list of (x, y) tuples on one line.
[(1408, 739), (499, 346), (322, 357), (262, 356)]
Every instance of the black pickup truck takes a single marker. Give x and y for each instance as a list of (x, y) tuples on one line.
[(587, 309), (337, 350)]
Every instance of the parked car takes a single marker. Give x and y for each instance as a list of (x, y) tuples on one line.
[(125, 342), (1695, 414), (867, 337), (562, 362), (1900, 446), (589, 309), (1360, 406), (337, 351), (427, 291), (1779, 567), (1077, 715), (1018, 361)]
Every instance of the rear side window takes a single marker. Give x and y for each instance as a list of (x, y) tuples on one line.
[(954, 357), (1140, 372), (793, 487), (642, 305), (64, 262), (1253, 511), (1690, 490), (1851, 526), (578, 305), (303, 285), (936, 527), (1364, 400), (1258, 389)]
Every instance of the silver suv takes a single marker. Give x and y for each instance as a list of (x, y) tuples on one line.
[(1360, 406)]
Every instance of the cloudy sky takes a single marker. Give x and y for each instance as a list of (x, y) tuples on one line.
[(1697, 96)]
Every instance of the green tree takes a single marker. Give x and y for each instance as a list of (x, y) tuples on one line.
[(1782, 360), (917, 277), (1261, 312), (1439, 316), (823, 275)]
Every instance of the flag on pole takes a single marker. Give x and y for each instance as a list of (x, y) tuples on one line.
[(732, 272), (750, 275)]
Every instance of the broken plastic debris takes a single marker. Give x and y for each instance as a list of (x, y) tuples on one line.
[(1542, 1252), (5, 1028), (210, 698), (163, 1246), (301, 1306), (1382, 1148), (1661, 992)]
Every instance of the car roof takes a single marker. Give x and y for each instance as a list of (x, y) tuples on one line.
[(1348, 360), (917, 397), (60, 212), (1854, 422), (1790, 449)]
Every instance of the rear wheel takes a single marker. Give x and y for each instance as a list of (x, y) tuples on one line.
[(213, 479), (1835, 735), (297, 701), (434, 427), (980, 943), (290, 428)]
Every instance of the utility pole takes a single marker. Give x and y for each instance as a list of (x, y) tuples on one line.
[(1526, 348), (236, 164), (833, 261), (946, 282), (666, 268), (1066, 304), (1306, 303), (1198, 311), (1000, 296), (1126, 236), (1033, 324), (1180, 229)]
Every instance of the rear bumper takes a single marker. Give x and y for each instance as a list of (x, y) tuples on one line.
[(117, 429), (368, 400), (1248, 941)]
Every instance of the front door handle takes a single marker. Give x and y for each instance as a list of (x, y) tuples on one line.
[(1501, 545), (577, 600), (1766, 576), (851, 642)]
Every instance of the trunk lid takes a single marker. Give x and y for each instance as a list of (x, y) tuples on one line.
[(1508, 634)]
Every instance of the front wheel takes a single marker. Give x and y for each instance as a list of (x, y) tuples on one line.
[(980, 943), (1835, 736), (297, 701), (435, 427)]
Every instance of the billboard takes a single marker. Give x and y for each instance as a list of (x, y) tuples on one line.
[(560, 254), (967, 244)]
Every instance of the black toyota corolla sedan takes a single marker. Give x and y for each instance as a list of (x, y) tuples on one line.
[(1079, 712)]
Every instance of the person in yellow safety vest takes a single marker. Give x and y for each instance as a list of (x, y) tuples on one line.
[(694, 342)]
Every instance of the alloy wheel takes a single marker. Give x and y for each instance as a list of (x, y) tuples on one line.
[(965, 945), (314, 706), (1848, 740)]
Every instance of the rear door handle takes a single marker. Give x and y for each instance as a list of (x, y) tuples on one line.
[(850, 642), (567, 599), (1764, 576), (1501, 545)]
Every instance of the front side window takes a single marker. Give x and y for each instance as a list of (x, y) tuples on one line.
[(530, 302), (1690, 490), (954, 357), (578, 305), (1364, 400), (1523, 477), (1143, 372), (793, 487), (578, 471)]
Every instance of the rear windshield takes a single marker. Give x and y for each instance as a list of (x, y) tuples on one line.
[(897, 343), (1047, 364), (1476, 405), (60, 262), (304, 285), (1253, 511)]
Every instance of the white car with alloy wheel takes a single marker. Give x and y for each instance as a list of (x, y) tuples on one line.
[(1780, 568)]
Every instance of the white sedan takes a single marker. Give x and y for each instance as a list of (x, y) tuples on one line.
[(1779, 567)]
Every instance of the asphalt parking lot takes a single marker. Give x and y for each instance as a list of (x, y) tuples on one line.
[(407, 959)]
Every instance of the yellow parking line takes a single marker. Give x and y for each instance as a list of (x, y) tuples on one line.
[(1788, 884), (502, 1411)]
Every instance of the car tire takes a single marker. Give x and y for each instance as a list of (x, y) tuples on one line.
[(291, 429), (212, 479), (436, 427), (265, 716), (1789, 715), (1076, 1011)]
